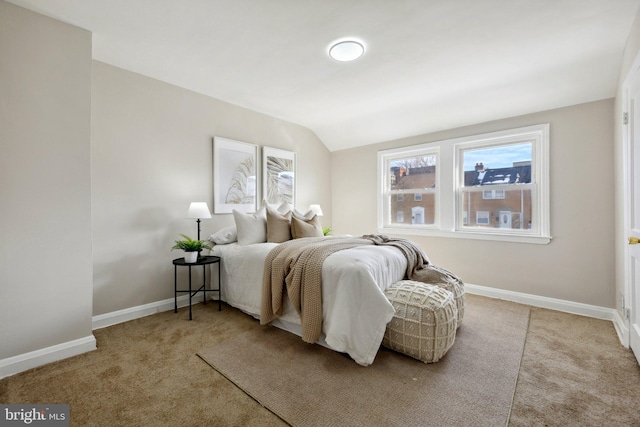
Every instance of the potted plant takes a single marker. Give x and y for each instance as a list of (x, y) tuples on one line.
[(191, 248)]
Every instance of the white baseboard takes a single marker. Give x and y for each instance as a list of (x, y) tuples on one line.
[(33, 359), (621, 328), (20, 363), (120, 316), (23, 362), (543, 302)]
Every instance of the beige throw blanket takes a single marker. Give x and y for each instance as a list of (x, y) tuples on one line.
[(294, 268)]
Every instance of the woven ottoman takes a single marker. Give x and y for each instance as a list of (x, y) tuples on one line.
[(424, 325), (457, 289), (442, 278)]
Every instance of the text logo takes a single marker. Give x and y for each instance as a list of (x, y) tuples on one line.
[(34, 415)]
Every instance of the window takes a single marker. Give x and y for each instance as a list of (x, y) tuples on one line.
[(509, 177), (493, 194), (482, 217), (493, 186), (416, 176)]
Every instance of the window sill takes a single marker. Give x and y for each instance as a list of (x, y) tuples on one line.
[(496, 237)]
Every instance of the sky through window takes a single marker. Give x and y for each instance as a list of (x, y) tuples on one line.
[(503, 156)]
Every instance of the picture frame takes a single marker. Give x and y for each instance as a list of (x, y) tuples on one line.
[(235, 176), (278, 176)]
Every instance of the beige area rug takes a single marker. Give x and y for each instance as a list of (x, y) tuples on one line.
[(308, 385)]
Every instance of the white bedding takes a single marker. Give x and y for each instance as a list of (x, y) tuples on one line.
[(355, 310)]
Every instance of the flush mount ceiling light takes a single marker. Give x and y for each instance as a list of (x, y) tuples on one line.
[(347, 50)]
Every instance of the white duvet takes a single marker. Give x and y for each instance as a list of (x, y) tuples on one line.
[(355, 310)]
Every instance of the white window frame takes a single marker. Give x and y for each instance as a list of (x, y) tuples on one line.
[(384, 181), (449, 212)]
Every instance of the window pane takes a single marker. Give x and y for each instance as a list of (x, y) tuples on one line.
[(410, 211), (501, 165), (412, 173), (512, 211)]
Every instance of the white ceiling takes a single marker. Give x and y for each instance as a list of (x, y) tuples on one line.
[(429, 64)]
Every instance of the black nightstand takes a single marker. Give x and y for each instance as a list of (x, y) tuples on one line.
[(203, 261)]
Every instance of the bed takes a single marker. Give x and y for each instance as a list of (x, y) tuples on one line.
[(346, 310), (355, 310)]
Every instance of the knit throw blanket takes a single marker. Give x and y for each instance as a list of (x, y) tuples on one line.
[(419, 267), (294, 268)]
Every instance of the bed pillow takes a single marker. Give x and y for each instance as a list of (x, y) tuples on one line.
[(284, 208), (305, 227), (224, 236), (252, 228), (306, 216), (278, 226)]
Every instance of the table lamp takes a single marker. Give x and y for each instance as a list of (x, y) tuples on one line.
[(198, 210), (316, 209)]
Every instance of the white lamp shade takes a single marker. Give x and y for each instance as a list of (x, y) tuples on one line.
[(198, 210), (316, 209)]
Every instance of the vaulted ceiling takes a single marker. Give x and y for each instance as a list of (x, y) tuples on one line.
[(429, 64)]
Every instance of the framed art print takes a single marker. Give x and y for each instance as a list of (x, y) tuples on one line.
[(278, 180), (235, 176)]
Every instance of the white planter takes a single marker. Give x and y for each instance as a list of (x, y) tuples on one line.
[(191, 257)]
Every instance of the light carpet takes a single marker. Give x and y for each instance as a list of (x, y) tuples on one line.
[(308, 385)]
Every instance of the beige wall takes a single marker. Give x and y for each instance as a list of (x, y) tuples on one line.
[(152, 156), (578, 264), (631, 50), (45, 200)]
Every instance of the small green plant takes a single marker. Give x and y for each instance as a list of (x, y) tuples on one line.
[(326, 230), (190, 245)]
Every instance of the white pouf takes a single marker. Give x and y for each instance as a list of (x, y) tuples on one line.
[(424, 325), (457, 288)]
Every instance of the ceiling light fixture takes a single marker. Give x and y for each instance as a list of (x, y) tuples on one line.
[(348, 50)]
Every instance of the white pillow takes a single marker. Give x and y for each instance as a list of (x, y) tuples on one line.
[(305, 216), (284, 208), (251, 228), (226, 235)]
